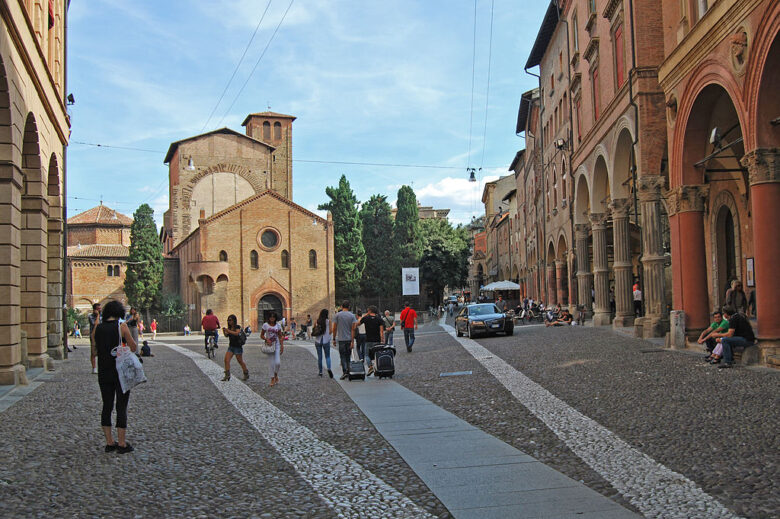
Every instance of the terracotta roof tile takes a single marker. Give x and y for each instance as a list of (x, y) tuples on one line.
[(98, 251), (101, 215)]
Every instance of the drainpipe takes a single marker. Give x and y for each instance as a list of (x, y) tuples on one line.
[(65, 194)]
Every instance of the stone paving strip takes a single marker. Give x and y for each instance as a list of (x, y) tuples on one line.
[(473, 473), (349, 488), (655, 490)]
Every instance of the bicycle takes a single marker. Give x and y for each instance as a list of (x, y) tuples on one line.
[(210, 347)]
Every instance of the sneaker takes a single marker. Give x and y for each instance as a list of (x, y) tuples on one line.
[(409, 349), (124, 450), (330, 373), (344, 376), (370, 370), (112, 448), (320, 374), (94, 371), (725, 365)]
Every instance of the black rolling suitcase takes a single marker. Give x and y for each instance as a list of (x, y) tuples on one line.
[(384, 362), (357, 370)]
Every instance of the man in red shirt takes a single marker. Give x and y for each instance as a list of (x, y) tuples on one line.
[(409, 324), (210, 325)]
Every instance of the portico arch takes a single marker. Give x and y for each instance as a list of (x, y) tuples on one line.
[(35, 212), (54, 260)]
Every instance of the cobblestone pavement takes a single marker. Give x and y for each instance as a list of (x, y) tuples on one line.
[(716, 427), (196, 455)]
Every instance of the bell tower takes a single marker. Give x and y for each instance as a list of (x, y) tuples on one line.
[(276, 130)]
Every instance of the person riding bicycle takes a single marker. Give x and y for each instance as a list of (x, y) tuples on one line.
[(210, 325)]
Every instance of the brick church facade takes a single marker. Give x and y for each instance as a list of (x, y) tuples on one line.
[(233, 239), (98, 246)]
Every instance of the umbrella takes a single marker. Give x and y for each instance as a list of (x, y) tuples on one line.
[(502, 285)]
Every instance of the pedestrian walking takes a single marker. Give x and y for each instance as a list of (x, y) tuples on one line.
[(321, 334), (94, 320), (360, 336), (132, 323), (343, 329), (501, 304), (389, 327), (107, 335), (307, 326), (409, 324), (141, 328), (374, 327), (637, 301), (153, 327), (273, 335), (235, 347)]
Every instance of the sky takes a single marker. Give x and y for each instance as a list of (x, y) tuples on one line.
[(373, 82)]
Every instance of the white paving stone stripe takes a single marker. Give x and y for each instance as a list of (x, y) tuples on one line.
[(657, 491), (349, 488)]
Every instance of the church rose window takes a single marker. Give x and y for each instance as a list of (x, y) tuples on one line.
[(269, 239)]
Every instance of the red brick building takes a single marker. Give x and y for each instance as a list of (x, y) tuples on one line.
[(721, 78), (98, 246), (233, 239)]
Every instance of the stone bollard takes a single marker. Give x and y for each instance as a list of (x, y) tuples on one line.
[(23, 347), (677, 329)]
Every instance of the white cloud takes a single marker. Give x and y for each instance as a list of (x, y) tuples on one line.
[(463, 198)]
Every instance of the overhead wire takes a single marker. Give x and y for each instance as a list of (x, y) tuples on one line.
[(238, 65), (337, 162), (241, 90), (487, 93), (471, 113)]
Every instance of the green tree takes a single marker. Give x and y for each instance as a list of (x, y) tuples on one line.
[(171, 305), (381, 264), (73, 315), (406, 230), (445, 253), (349, 254), (143, 280)]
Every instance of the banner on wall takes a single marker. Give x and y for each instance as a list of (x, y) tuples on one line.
[(410, 281)]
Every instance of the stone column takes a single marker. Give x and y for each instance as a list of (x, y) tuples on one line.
[(34, 257), (763, 165), (655, 322), (601, 315), (54, 283), (551, 285), (560, 279), (686, 209), (624, 277), (584, 275), (12, 372)]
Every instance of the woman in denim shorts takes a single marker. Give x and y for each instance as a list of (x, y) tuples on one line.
[(233, 333)]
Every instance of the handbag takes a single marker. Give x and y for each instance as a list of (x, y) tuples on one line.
[(268, 348), (128, 366)]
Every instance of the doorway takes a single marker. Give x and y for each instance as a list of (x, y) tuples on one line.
[(267, 304)]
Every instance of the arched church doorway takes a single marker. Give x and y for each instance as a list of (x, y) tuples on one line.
[(726, 251), (267, 304)]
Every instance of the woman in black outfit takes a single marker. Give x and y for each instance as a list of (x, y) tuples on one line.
[(108, 335)]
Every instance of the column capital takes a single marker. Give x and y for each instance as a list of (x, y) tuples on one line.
[(581, 230), (621, 207), (649, 187), (559, 264), (598, 220), (763, 165), (686, 199)]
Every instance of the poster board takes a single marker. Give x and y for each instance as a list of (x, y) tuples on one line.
[(410, 281)]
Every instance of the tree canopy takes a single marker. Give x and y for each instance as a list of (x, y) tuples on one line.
[(445, 253), (379, 276), (349, 254), (406, 231), (143, 280)]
